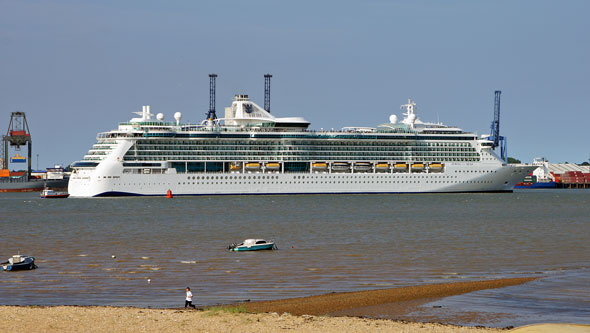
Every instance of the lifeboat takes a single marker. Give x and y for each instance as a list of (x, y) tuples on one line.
[(400, 166), (382, 167), (273, 166), (236, 166), (252, 166), (319, 166), (435, 167), (362, 166), (340, 166), (417, 166)]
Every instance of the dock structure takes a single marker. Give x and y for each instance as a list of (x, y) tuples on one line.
[(570, 176), (560, 175), (18, 135)]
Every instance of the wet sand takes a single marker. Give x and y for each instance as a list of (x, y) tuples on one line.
[(395, 303)]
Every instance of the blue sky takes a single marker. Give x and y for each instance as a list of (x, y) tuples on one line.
[(79, 67)]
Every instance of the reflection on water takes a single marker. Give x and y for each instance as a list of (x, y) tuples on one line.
[(103, 251)]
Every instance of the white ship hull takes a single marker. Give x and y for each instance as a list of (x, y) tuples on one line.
[(457, 178)]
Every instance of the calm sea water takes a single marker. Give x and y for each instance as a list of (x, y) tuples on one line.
[(326, 243)]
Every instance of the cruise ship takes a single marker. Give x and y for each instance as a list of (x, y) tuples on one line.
[(251, 151)]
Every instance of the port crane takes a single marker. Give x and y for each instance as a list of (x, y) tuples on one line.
[(495, 137), (18, 135)]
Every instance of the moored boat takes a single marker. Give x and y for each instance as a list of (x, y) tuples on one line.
[(202, 159), (21, 184), (53, 194), (19, 262), (253, 245)]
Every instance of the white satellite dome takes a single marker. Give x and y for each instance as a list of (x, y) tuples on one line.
[(393, 119), (160, 116), (178, 116)]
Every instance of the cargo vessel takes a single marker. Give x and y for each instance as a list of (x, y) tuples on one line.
[(21, 184), (251, 151), (538, 178)]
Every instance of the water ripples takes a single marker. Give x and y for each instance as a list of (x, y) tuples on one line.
[(103, 251)]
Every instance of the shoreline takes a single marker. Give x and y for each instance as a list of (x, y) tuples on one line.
[(347, 311)]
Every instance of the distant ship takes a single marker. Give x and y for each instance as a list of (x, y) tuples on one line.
[(539, 178), (21, 184), (250, 151), (54, 178)]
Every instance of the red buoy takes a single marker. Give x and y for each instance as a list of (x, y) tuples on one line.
[(169, 194)]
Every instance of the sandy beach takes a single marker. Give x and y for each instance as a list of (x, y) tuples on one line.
[(330, 313), (110, 319)]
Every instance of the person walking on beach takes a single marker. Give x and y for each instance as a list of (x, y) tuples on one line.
[(189, 299)]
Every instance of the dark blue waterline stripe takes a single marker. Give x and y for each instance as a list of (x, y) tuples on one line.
[(129, 194)]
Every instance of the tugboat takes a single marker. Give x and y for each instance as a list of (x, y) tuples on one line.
[(19, 262), (53, 194), (253, 245)]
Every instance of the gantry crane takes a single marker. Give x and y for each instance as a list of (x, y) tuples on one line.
[(498, 141)]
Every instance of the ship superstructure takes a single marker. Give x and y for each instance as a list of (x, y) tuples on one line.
[(251, 151)]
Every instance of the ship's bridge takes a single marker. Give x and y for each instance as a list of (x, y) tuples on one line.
[(245, 113)]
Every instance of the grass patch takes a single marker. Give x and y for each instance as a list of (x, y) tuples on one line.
[(226, 309)]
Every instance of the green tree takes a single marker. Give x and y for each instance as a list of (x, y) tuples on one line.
[(512, 160)]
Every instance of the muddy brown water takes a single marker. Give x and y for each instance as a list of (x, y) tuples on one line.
[(327, 243)]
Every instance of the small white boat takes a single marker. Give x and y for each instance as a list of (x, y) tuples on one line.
[(53, 194), (253, 245), (19, 262)]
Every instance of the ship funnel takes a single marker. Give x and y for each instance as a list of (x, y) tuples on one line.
[(211, 114), (267, 92)]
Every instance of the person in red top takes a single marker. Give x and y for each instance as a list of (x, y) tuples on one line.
[(189, 299)]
